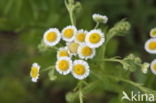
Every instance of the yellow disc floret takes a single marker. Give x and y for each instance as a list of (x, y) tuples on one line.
[(80, 37), (34, 72), (63, 65), (68, 33), (86, 51), (94, 38), (154, 67), (51, 36), (152, 45), (73, 47), (79, 69), (63, 53)]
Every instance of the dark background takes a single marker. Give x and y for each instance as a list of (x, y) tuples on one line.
[(22, 24)]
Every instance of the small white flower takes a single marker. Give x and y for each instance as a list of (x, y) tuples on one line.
[(68, 33), (80, 36), (52, 37), (153, 66), (80, 69), (34, 73), (100, 18), (85, 52), (73, 48), (150, 46), (145, 67), (63, 52), (64, 65), (153, 32), (94, 38)]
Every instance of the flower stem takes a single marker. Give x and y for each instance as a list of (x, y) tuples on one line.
[(80, 95), (71, 17), (70, 7), (97, 25)]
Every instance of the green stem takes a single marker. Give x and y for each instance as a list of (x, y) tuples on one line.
[(80, 93), (97, 25), (48, 68), (71, 17)]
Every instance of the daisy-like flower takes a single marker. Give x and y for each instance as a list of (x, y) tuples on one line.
[(52, 37), (100, 18), (153, 32), (80, 36), (68, 33), (153, 66), (150, 46), (64, 65), (73, 47), (63, 52), (85, 52), (80, 69), (94, 38), (34, 73)]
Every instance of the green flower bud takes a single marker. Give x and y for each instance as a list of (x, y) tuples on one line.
[(100, 18), (145, 67)]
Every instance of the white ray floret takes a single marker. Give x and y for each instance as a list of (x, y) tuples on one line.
[(68, 33), (64, 65), (80, 36), (150, 46), (80, 69), (95, 38), (34, 73), (153, 66), (52, 37), (85, 52), (63, 52)]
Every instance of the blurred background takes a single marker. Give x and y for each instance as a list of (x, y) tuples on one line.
[(22, 24)]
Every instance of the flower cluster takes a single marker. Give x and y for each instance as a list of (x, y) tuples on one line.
[(79, 44), (150, 47)]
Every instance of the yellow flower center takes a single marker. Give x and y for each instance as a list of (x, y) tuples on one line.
[(154, 67), (79, 69), (51, 36), (80, 37), (63, 53), (86, 51), (73, 47), (152, 45), (63, 65), (68, 33), (34, 72), (94, 38), (154, 32)]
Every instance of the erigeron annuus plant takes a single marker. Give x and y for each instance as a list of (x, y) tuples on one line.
[(81, 53)]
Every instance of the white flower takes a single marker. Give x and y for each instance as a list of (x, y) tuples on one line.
[(150, 46), (34, 73), (153, 32), (73, 48), (80, 36), (94, 38), (153, 66), (68, 33), (52, 37), (145, 67), (63, 52), (80, 69), (100, 18), (64, 65), (85, 52)]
